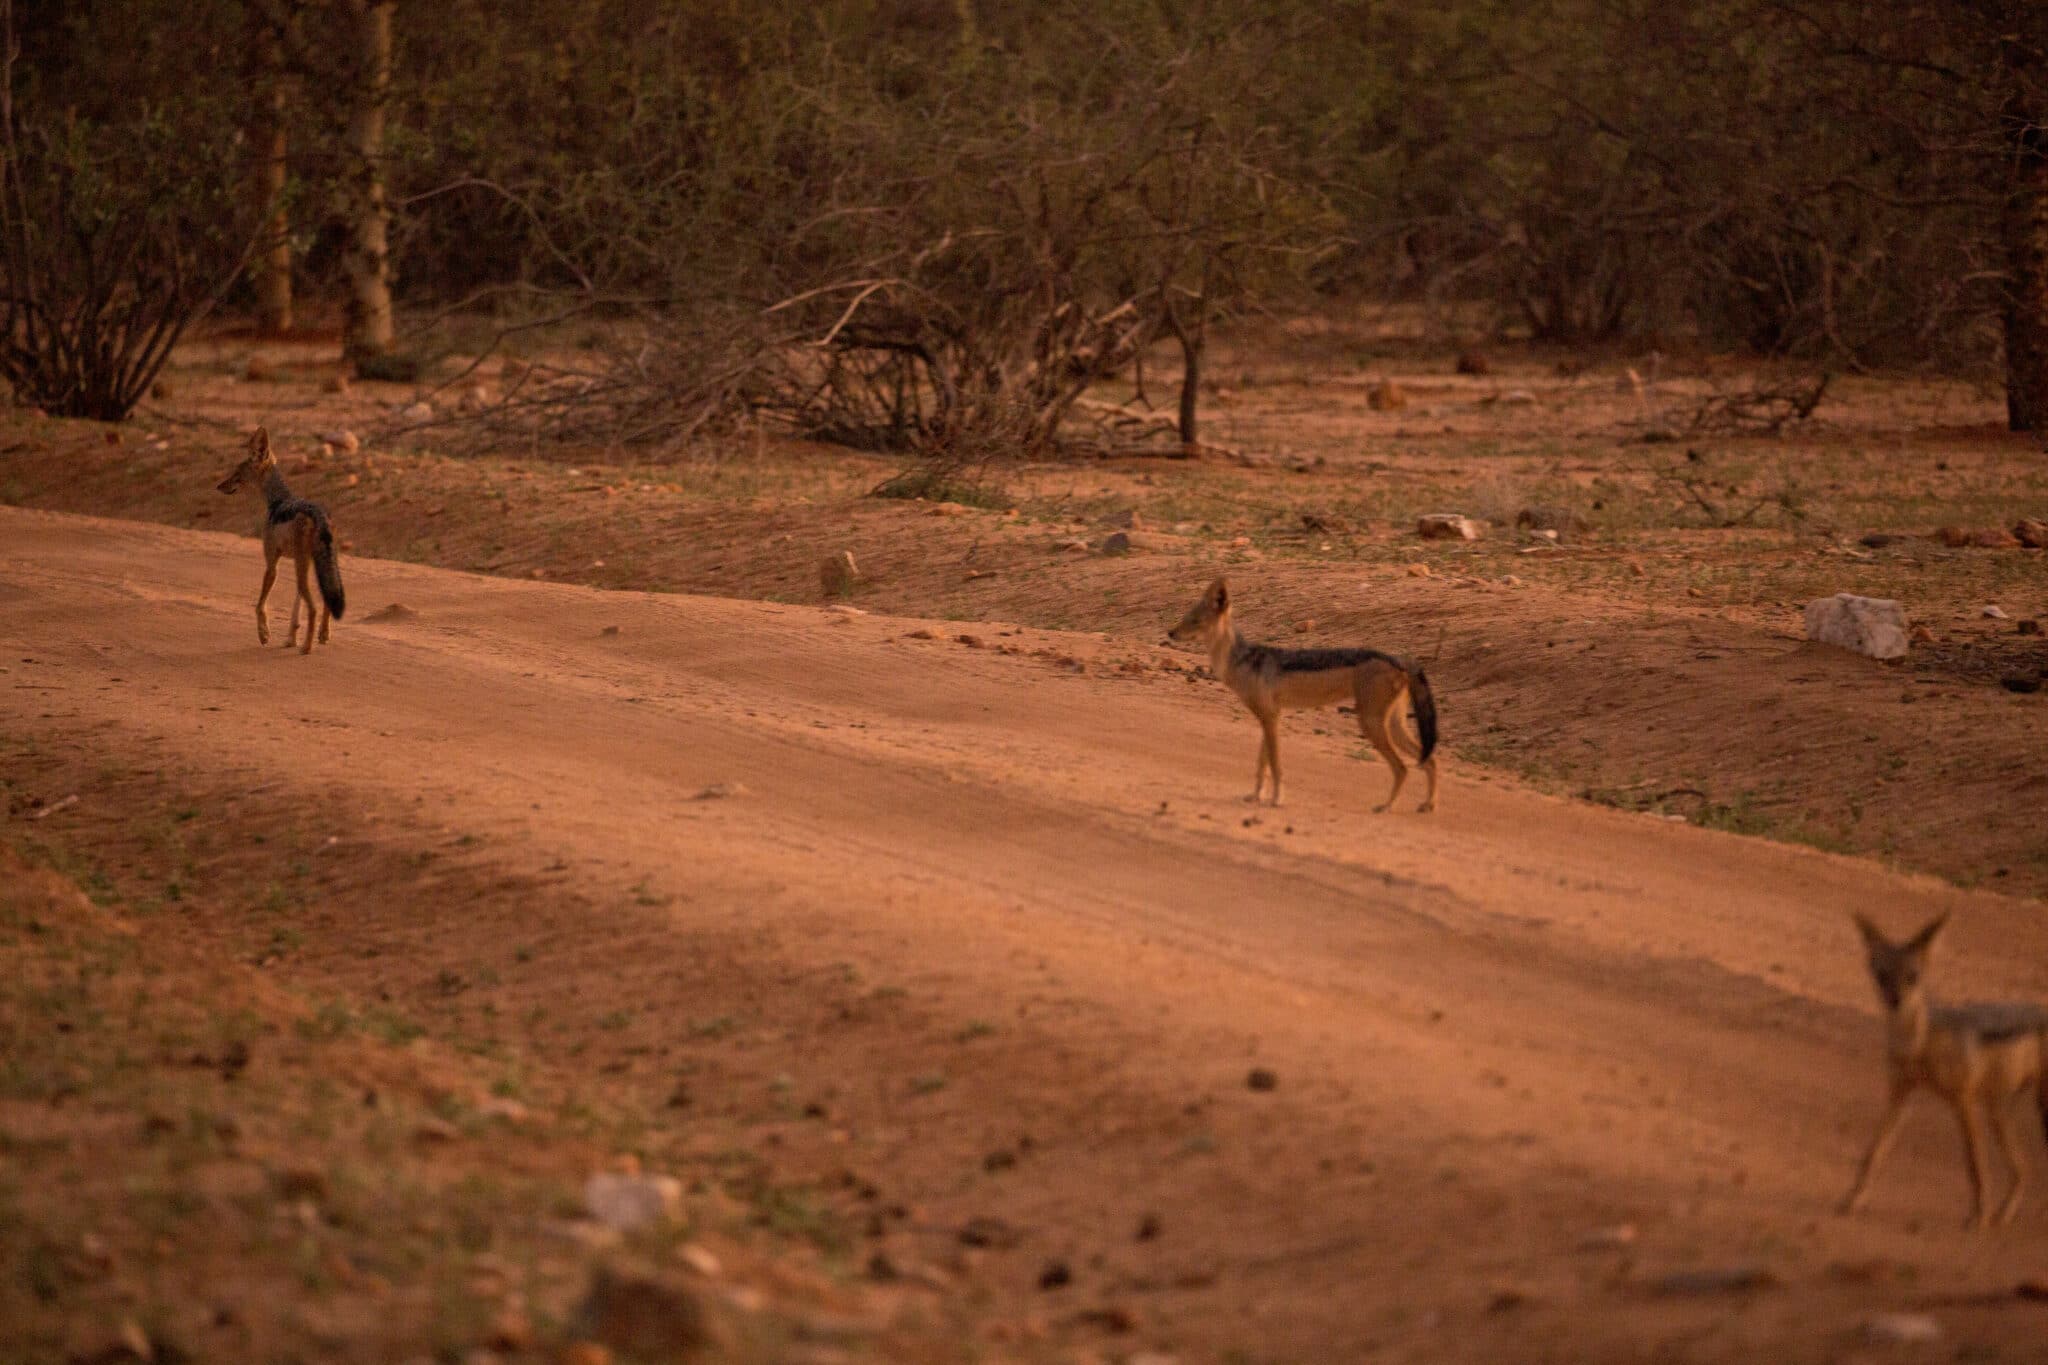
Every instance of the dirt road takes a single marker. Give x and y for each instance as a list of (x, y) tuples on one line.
[(1496, 1031)]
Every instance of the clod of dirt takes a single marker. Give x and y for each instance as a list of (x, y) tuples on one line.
[(2031, 532), (626, 1202), (1474, 363), (1327, 523), (257, 370), (609, 630), (1609, 1238), (1261, 1079), (1448, 526), (1055, 1275), (1734, 1279), (335, 383), (1149, 1227), (421, 411), (1418, 570), (2027, 627), (1115, 543), (1901, 1329), (985, 1231), (1386, 396), (1871, 626), (1922, 636), (2020, 683), (837, 573), (301, 1182), (642, 1315), (719, 791), (1128, 520), (397, 611), (920, 634), (1983, 538), (1562, 520), (971, 641), (1001, 1159)]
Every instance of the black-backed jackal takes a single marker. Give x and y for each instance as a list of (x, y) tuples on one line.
[(1271, 680), (294, 525), (1978, 1057)]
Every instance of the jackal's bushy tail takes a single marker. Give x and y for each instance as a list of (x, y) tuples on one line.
[(1425, 709), (327, 568)]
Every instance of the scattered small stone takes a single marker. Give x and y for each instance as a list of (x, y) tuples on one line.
[(2019, 682), (626, 1202), (1474, 363), (1983, 538), (432, 1130), (1073, 544), (1116, 543), (718, 791), (1448, 526), (882, 1269), (642, 1315), (920, 634), (161, 390), (1992, 613), (985, 1231), (341, 439), (1055, 1275), (2032, 532), (971, 641), (1871, 626), (511, 1330), (1506, 1300), (1128, 520), (301, 1182), (1262, 1079), (2027, 627), (1418, 570), (257, 370), (335, 383), (395, 611), (837, 574), (1609, 1238), (1324, 522), (841, 609), (1922, 636), (1149, 1227), (422, 411), (1110, 1317), (1001, 1159), (609, 630), (701, 1259), (1517, 398), (1562, 520), (1386, 396), (1736, 1279), (1901, 1329)]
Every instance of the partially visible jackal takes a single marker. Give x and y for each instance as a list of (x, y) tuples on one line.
[(1270, 680), (294, 525), (1975, 1056)]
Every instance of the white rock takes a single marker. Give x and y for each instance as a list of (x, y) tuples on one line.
[(1448, 526), (418, 412), (1516, 398), (627, 1202), (1994, 613), (1874, 626), (1901, 1328)]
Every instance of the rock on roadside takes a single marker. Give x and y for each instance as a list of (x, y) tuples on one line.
[(1872, 626)]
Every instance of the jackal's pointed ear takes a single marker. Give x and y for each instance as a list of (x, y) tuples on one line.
[(1924, 940), (1219, 595), (259, 443), (1872, 937)]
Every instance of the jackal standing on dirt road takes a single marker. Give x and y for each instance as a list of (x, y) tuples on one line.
[(1270, 679), (296, 525), (1975, 1056)]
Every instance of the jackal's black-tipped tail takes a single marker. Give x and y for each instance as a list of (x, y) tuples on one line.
[(1425, 710), (327, 569)]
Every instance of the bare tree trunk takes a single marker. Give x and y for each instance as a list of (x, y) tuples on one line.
[(1192, 341), (369, 331), (267, 154), (2025, 228)]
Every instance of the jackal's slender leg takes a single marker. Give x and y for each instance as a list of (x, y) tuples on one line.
[(1887, 1129), (1973, 1148), (1376, 693), (2009, 1144), (304, 564), (269, 577), (1269, 751)]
